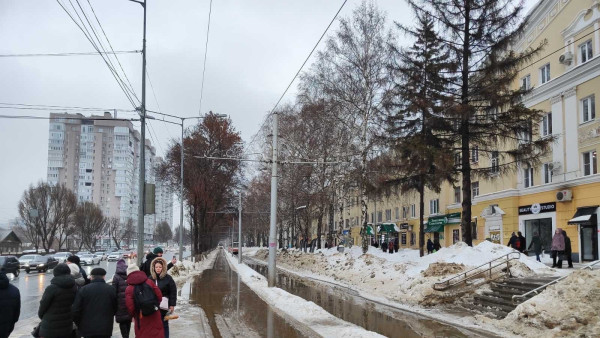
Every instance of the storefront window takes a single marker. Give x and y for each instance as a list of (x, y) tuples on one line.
[(403, 238), (455, 236), (543, 226)]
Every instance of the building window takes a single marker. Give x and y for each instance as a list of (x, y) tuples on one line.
[(475, 154), (474, 189), (547, 125), (413, 238), (526, 82), (457, 160), (434, 206), (545, 73), (380, 216), (388, 215), (547, 172), (456, 194), (455, 236), (473, 230), (586, 51), (495, 163), (413, 210), (589, 163), (588, 109), (403, 238), (372, 217), (527, 132), (404, 212), (528, 177), (397, 213)]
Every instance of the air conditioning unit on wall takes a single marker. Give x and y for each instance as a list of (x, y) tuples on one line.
[(564, 195), (566, 58)]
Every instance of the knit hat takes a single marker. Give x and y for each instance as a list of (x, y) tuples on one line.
[(132, 268), (157, 250), (74, 259), (74, 270), (61, 269), (98, 272)]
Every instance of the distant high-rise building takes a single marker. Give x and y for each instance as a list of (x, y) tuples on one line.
[(99, 160)]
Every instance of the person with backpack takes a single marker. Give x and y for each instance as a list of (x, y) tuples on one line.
[(522, 242), (55, 305), (120, 284), (167, 287), (142, 298), (514, 242), (157, 252), (95, 306), (10, 306)]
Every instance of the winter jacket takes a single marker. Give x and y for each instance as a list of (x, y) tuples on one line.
[(94, 308), (558, 241), (567, 243), (120, 284), (145, 326), (10, 306), (513, 241), (437, 246), (429, 245), (148, 263), (522, 243), (76, 274), (165, 282), (55, 307), (536, 242)]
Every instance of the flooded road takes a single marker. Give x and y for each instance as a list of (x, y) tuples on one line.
[(232, 308), (372, 316)]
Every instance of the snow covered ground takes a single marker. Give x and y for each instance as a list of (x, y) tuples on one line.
[(186, 269), (295, 308)]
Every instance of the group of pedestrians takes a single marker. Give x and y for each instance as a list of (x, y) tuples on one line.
[(74, 305), (561, 249), (434, 246), (391, 246)]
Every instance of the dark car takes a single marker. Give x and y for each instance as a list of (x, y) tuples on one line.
[(9, 264), (41, 264)]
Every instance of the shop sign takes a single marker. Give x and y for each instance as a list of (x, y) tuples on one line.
[(404, 226), (495, 236), (537, 208)]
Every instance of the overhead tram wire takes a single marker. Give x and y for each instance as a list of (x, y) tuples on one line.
[(205, 54), (298, 72), (69, 54), (31, 117), (155, 99), (56, 107), (113, 71)]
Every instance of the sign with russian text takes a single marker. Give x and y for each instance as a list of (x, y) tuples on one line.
[(537, 208)]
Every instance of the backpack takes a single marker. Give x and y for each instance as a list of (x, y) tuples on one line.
[(518, 243), (145, 299)]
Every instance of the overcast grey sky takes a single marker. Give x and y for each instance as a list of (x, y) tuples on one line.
[(255, 48)]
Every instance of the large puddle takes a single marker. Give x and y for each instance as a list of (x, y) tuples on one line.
[(232, 309), (373, 316)]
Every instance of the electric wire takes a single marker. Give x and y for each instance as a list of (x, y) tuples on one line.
[(205, 53), (55, 107), (32, 117), (156, 100), (70, 54)]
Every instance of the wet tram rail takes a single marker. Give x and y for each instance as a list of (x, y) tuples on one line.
[(373, 316)]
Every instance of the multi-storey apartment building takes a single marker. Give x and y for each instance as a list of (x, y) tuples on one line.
[(99, 160), (562, 192)]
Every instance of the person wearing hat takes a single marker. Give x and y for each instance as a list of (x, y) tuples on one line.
[(10, 305), (95, 307), (119, 282), (74, 259), (157, 252), (167, 287), (55, 306)]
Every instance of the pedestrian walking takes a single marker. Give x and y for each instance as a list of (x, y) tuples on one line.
[(558, 248), (95, 306), (391, 246), (396, 244), (167, 287), (429, 246), (76, 274), (55, 306), (514, 242), (536, 242), (436, 245), (522, 242), (10, 306), (567, 249), (384, 246), (120, 284), (157, 252), (142, 298), (75, 259)]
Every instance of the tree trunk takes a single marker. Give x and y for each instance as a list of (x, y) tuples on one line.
[(421, 216), (465, 225), (319, 229)]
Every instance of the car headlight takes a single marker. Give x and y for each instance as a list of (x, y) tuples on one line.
[(41, 265)]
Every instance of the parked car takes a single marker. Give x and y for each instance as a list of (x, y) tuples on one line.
[(41, 264), (103, 255), (114, 256), (10, 264), (24, 260), (61, 257), (80, 253), (89, 259), (126, 254)]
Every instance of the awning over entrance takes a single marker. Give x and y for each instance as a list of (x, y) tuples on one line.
[(436, 224), (583, 215), (388, 227)]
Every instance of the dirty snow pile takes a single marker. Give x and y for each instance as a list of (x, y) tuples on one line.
[(403, 276), (185, 269), (567, 309), (295, 309)]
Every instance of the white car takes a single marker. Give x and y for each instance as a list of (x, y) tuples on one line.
[(24, 260), (102, 255), (61, 257), (114, 256), (89, 259)]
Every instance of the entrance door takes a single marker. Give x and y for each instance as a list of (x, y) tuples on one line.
[(541, 226), (589, 242)]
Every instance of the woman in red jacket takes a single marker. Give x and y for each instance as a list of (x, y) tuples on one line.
[(145, 326)]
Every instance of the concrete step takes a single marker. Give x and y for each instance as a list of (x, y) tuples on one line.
[(488, 310), (493, 299), (507, 296), (515, 287), (493, 304)]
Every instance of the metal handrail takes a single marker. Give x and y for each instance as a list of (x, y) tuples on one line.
[(541, 288), (463, 276)]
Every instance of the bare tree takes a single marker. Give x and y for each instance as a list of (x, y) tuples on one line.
[(129, 231), (163, 232), (117, 230), (89, 224)]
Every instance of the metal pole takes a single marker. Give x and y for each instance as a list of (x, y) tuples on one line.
[(240, 231), (181, 199), (142, 182), (272, 229)]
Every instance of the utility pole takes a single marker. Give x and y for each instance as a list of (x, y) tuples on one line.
[(181, 199), (240, 231), (272, 229), (142, 182)]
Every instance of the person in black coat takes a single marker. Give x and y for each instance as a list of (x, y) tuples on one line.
[(167, 287), (568, 249), (436, 245), (522, 242), (10, 306), (120, 284), (55, 306), (95, 306), (157, 252), (429, 246)]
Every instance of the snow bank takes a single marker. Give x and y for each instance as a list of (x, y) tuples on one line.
[(295, 308), (184, 270), (568, 308), (403, 276)]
